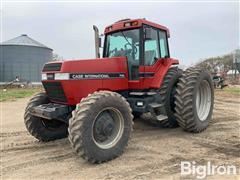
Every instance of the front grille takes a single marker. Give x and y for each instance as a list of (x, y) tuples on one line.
[(55, 91), (52, 67)]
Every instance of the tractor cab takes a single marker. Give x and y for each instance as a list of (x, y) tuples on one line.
[(142, 42)]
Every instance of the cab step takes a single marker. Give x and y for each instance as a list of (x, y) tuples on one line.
[(142, 93), (137, 93), (161, 117), (156, 105), (158, 111)]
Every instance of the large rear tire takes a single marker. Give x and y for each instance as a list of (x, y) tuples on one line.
[(194, 100), (100, 126), (40, 128)]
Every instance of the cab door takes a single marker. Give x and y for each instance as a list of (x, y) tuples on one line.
[(134, 63), (155, 48)]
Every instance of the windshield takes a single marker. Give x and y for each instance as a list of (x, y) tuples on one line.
[(123, 43)]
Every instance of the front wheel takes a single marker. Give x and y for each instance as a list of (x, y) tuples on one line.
[(194, 100), (40, 128), (100, 126)]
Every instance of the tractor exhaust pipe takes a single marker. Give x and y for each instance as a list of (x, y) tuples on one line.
[(97, 41)]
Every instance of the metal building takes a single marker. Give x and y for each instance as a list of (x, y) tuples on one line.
[(23, 57)]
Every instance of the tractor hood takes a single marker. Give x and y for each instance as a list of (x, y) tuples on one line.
[(88, 66), (69, 81)]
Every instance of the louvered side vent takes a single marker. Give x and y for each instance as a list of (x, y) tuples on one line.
[(52, 67)]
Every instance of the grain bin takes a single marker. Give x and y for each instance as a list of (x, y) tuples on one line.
[(23, 57)]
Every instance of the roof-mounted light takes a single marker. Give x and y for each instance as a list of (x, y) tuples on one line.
[(134, 23), (110, 28), (128, 24)]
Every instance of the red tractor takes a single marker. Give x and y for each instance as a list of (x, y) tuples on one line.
[(94, 101)]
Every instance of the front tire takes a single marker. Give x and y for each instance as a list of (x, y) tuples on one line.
[(100, 126), (40, 128), (194, 100)]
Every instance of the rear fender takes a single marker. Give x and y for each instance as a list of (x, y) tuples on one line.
[(161, 71)]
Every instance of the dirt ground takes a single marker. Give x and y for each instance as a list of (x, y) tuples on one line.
[(152, 153)]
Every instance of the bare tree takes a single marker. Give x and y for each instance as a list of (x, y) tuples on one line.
[(56, 57)]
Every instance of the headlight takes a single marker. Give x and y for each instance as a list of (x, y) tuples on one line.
[(61, 76), (44, 76)]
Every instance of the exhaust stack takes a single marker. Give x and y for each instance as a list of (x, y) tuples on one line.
[(97, 41)]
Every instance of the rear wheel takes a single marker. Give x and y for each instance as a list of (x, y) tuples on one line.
[(194, 100), (40, 128), (101, 126)]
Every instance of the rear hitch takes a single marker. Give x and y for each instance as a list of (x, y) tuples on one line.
[(52, 111)]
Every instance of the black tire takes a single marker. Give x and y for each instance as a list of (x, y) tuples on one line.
[(84, 119), (40, 128), (195, 89), (167, 92)]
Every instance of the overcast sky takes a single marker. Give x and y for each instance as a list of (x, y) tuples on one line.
[(198, 30)]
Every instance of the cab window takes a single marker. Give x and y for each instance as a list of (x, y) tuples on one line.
[(125, 43), (163, 44), (151, 46)]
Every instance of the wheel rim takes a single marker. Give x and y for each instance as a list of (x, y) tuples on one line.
[(107, 128), (203, 100)]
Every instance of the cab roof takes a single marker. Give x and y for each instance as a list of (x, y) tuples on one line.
[(131, 24)]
